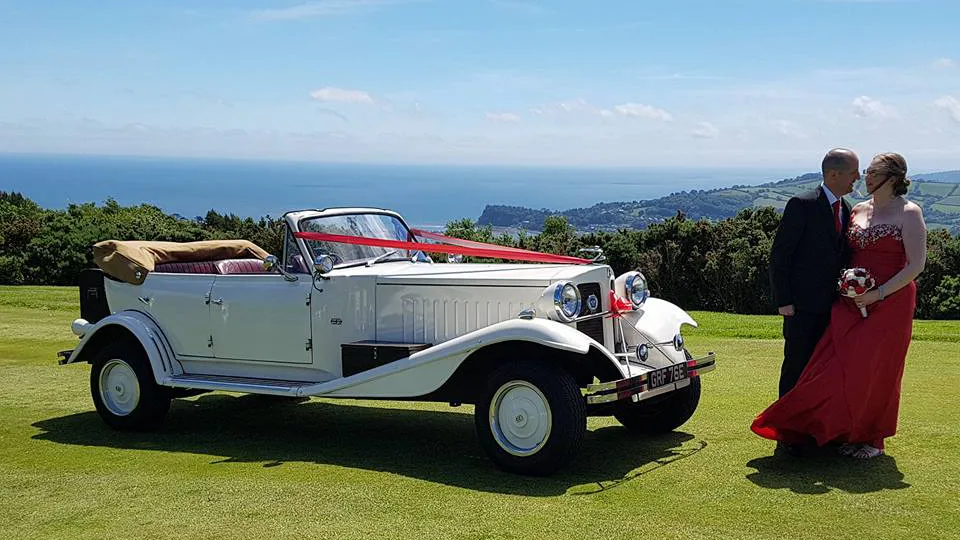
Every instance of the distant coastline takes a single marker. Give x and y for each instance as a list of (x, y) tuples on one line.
[(937, 193), (428, 195), (508, 198)]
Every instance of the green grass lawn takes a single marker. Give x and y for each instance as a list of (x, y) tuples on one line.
[(235, 466)]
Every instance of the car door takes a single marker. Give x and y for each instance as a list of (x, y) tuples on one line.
[(178, 302), (261, 318), (344, 311)]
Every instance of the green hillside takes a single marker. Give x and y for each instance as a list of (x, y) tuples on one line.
[(937, 193)]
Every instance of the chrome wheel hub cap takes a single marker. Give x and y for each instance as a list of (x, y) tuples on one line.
[(520, 418), (119, 388)]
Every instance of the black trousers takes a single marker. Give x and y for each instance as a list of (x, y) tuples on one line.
[(801, 333)]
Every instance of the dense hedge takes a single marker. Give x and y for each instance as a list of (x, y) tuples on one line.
[(700, 265)]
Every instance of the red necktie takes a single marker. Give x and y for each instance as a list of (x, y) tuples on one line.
[(836, 215)]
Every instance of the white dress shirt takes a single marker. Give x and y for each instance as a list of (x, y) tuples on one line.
[(831, 198)]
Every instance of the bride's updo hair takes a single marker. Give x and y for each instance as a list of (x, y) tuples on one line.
[(895, 166)]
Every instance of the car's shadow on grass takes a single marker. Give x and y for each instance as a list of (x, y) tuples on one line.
[(824, 471), (436, 446)]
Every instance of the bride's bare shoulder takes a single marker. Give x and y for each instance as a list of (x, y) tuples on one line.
[(910, 207), (912, 215)]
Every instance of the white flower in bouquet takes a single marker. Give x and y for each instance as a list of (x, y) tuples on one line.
[(855, 282)]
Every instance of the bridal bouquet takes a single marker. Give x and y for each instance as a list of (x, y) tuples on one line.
[(855, 282)]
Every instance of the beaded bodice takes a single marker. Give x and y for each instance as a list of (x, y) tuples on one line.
[(878, 248)]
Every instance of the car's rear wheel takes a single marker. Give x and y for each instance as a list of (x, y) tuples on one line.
[(123, 388), (531, 418)]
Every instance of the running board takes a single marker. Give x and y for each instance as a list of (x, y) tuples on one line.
[(236, 384)]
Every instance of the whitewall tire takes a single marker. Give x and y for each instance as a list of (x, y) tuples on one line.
[(123, 388), (531, 418)]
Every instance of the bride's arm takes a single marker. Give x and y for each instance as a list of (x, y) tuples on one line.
[(915, 244), (914, 232)]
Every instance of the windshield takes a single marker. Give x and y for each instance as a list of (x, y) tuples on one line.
[(368, 225)]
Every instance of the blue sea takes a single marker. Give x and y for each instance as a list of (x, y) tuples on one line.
[(426, 195)]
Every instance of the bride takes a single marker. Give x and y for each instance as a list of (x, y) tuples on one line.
[(849, 392)]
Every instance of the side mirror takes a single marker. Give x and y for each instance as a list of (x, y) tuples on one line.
[(272, 264), (323, 264)]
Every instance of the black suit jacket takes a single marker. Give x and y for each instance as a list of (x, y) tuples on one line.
[(808, 254)]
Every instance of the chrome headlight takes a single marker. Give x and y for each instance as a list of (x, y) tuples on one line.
[(633, 286), (566, 299), (637, 289)]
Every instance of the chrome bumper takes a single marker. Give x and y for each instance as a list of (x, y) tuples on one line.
[(607, 392)]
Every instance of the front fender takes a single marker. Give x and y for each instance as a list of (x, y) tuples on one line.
[(426, 371), (143, 328), (655, 324), (659, 320)]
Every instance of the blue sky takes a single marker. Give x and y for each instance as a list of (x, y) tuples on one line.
[(618, 83)]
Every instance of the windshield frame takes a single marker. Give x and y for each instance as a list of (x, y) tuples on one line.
[(411, 237)]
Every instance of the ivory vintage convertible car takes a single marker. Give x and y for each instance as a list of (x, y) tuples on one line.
[(536, 348)]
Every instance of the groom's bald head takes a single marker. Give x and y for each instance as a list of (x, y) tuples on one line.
[(841, 169), (840, 160)]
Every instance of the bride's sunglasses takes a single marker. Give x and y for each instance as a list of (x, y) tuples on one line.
[(860, 188)]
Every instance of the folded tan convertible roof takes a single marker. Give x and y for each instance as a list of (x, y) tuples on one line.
[(132, 260)]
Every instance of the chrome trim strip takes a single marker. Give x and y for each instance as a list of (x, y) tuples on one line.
[(591, 317), (234, 384)]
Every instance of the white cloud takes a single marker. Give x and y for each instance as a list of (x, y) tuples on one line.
[(639, 110), (583, 107), (331, 94), (321, 8), (570, 106), (949, 104), (867, 107), (575, 105), (508, 118), (789, 129), (944, 63), (706, 130)]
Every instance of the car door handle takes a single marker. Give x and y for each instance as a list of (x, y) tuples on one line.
[(217, 301), (146, 300)]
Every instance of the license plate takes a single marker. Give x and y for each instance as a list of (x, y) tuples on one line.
[(668, 375)]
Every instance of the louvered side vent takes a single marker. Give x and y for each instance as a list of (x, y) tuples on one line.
[(593, 327)]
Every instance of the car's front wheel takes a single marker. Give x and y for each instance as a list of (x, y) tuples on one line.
[(660, 414), (531, 418), (124, 391)]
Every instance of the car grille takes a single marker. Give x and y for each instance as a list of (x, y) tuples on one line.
[(593, 327)]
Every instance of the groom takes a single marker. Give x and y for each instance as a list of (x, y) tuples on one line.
[(808, 254)]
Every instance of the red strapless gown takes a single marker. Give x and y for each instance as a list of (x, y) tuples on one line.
[(850, 390)]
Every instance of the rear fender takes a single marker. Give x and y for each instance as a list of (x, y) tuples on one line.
[(135, 323)]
